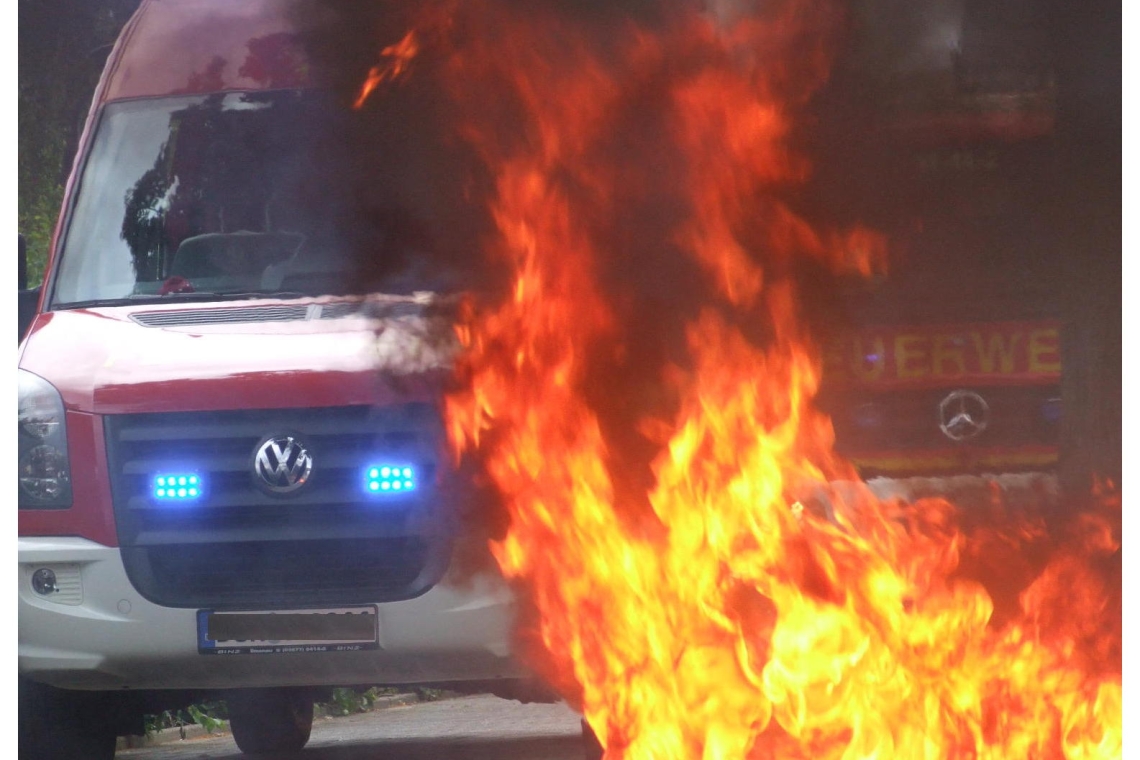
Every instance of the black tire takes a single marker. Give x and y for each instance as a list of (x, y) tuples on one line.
[(269, 721), (593, 749), (54, 724)]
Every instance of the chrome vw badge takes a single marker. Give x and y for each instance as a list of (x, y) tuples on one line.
[(282, 464), (963, 415)]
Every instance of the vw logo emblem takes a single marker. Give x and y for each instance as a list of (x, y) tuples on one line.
[(963, 415), (282, 464)]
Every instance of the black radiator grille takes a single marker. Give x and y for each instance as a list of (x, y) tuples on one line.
[(285, 573), (329, 543)]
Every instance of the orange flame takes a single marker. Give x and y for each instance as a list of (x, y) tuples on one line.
[(765, 604), (396, 59)]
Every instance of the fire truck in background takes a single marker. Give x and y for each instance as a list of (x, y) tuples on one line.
[(945, 375)]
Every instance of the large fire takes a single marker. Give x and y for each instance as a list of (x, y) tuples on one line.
[(758, 601)]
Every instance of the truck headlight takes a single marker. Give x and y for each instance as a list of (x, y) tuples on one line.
[(45, 474)]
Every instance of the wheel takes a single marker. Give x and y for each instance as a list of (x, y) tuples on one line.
[(268, 721), (54, 724), (593, 748)]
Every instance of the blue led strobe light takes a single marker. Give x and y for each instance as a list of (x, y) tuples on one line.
[(389, 478), (176, 486)]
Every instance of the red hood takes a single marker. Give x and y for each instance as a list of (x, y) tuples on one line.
[(104, 362)]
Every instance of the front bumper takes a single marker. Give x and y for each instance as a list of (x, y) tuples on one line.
[(97, 632), (1036, 490)]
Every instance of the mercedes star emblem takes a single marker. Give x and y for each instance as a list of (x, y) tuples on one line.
[(282, 464), (963, 415)]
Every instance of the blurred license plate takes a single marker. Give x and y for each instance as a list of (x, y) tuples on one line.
[(342, 629)]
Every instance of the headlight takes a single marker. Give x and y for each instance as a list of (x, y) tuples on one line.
[(45, 474)]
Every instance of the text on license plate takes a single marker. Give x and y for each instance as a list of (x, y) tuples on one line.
[(343, 629)]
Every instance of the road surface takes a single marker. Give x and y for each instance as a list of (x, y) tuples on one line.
[(467, 728)]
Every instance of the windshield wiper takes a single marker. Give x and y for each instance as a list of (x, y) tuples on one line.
[(227, 295), (181, 297)]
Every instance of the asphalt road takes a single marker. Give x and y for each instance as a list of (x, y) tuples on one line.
[(468, 728)]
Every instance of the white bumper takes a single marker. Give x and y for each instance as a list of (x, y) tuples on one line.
[(97, 632), (1035, 489)]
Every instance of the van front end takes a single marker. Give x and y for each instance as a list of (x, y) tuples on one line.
[(219, 499)]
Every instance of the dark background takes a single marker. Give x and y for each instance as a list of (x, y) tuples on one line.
[(63, 45)]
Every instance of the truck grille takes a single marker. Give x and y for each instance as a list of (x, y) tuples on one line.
[(330, 543), (906, 422)]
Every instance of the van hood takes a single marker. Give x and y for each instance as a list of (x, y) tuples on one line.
[(195, 357)]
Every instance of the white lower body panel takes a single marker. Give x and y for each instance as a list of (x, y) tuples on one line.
[(97, 632)]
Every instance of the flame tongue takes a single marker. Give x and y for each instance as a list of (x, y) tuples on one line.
[(396, 59), (757, 606)]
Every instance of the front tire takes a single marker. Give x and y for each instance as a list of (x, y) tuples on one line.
[(269, 721)]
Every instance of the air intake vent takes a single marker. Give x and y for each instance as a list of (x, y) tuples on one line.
[(394, 307), (339, 310), (188, 317)]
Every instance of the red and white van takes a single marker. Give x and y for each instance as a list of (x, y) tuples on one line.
[(232, 476)]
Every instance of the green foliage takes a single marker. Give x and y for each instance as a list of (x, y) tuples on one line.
[(212, 715), (38, 210), (203, 717), (350, 701), (429, 695), (63, 45), (209, 715)]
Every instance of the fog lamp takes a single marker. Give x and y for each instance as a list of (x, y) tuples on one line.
[(43, 582)]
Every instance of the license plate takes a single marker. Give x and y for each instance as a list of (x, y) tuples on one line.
[(342, 629)]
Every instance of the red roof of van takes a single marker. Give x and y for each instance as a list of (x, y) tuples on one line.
[(174, 47)]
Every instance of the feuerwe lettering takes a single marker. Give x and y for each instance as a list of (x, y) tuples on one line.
[(1012, 351)]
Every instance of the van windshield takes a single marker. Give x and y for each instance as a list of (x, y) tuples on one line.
[(227, 194)]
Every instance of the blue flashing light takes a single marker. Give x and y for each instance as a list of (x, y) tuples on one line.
[(389, 478), (176, 486)]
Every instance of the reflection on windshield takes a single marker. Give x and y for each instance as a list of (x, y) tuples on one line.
[(227, 193)]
